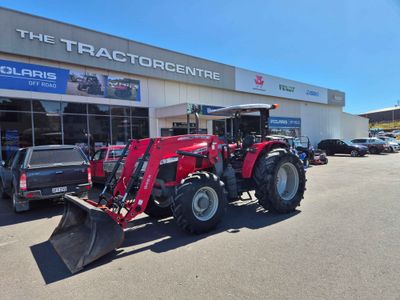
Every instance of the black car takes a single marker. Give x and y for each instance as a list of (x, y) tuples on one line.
[(333, 146), (44, 172)]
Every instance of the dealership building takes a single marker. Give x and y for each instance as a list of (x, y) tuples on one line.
[(63, 84)]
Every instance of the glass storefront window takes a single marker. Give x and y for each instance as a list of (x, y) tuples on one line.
[(121, 130), (46, 106), (73, 108), (99, 109), (139, 112), (15, 104), (47, 129), (120, 111), (99, 132), (87, 125), (15, 132), (76, 131), (140, 128)]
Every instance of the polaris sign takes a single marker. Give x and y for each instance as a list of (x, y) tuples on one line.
[(35, 78), (280, 122)]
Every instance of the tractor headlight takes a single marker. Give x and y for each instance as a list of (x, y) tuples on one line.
[(168, 160)]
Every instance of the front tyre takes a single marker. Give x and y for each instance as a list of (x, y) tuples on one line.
[(354, 153), (158, 209), (199, 203), (280, 181)]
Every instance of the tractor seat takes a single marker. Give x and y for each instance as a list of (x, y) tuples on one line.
[(248, 141)]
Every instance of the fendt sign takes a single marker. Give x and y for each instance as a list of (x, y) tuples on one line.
[(36, 37)]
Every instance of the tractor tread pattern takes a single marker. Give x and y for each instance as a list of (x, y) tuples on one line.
[(181, 203), (264, 176)]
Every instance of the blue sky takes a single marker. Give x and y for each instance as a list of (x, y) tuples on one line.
[(349, 45)]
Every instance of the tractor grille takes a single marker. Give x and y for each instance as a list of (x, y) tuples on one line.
[(167, 172)]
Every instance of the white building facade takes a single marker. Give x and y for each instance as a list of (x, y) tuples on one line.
[(60, 83)]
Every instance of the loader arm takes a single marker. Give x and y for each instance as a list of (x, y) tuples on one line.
[(90, 229), (136, 193)]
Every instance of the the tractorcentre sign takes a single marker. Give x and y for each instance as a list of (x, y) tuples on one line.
[(119, 56), (42, 38)]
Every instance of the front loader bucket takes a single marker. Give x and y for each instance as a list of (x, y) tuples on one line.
[(84, 234)]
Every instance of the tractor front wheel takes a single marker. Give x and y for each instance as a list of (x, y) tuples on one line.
[(158, 209), (280, 180), (199, 203)]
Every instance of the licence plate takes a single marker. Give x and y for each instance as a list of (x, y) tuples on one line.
[(60, 189)]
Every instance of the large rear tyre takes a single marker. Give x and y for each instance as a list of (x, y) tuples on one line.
[(199, 203), (280, 180), (158, 209)]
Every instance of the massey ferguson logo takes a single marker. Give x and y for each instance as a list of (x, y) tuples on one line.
[(259, 82)]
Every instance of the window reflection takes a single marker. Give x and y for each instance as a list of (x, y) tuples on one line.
[(47, 129), (15, 104), (87, 125), (46, 106), (15, 132), (99, 109)]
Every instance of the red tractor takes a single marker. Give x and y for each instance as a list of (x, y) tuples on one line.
[(191, 177)]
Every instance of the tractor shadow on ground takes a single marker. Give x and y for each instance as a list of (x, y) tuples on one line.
[(146, 234), (167, 236)]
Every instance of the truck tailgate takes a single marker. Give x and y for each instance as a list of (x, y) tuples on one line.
[(56, 176)]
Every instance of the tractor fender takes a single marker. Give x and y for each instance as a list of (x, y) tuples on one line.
[(255, 152)]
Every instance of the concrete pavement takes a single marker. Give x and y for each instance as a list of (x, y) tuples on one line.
[(343, 242)]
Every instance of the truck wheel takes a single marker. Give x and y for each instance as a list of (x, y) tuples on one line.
[(18, 205), (3, 194), (280, 181), (306, 163), (354, 153), (199, 203), (158, 209)]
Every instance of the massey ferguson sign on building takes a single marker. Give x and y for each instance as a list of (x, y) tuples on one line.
[(258, 83)]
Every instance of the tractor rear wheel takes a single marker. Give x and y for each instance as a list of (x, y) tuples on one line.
[(280, 180), (158, 209), (199, 203)]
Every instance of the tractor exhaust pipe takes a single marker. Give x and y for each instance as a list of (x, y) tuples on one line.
[(84, 234)]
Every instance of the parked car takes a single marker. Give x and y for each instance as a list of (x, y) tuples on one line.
[(375, 145), (333, 146), (396, 132), (393, 144), (44, 172), (103, 162)]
